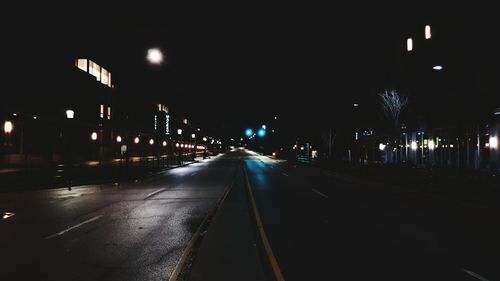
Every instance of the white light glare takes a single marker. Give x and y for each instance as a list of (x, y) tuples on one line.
[(70, 114), (118, 139), (409, 44), (438, 67), (493, 142), (155, 56), (414, 145), (431, 144), (8, 127), (381, 147), (428, 33)]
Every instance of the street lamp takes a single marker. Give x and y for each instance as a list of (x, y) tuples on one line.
[(8, 126), (136, 140), (438, 67), (155, 56), (204, 138), (164, 143), (193, 136), (179, 131), (151, 141), (93, 136), (70, 114), (118, 139)]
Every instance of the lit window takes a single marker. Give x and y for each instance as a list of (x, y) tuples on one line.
[(81, 64), (109, 112), (109, 79), (409, 44), (104, 76), (101, 111), (95, 70), (428, 33)]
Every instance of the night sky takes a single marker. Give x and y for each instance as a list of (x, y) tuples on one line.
[(241, 65)]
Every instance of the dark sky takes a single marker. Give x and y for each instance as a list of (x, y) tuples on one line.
[(240, 65)]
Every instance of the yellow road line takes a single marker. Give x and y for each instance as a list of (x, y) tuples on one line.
[(189, 247), (262, 232)]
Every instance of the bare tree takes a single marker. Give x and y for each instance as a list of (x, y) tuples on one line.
[(393, 104)]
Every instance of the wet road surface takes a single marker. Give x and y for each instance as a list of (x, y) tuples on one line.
[(133, 231)]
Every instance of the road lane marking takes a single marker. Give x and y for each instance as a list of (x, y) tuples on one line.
[(284, 174), (319, 193), (193, 174), (6, 215), (174, 276), (262, 232), (473, 274), (73, 227), (155, 192)]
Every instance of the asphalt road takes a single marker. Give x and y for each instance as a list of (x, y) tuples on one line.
[(322, 226), (134, 231)]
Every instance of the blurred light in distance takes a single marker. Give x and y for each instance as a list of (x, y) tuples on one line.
[(414, 145), (248, 132), (381, 147), (118, 139), (261, 133), (151, 141), (438, 67), (164, 143), (93, 136), (493, 142), (409, 44), (155, 56), (8, 127), (431, 144), (428, 33), (70, 114), (136, 140)]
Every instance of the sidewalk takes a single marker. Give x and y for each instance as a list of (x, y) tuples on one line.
[(228, 250), (475, 186), (17, 179)]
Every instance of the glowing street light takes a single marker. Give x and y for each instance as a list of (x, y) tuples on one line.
[(136, 140), (193, 136), (151, 141), (93, 136), (204, 138), (493, 142), (164, 143), (438, 67), (155, 56), (381, 147), (264, 127), (179, 131), (8, 127), (118, 139), (70, 114), (431, 145), (261, 133), (414, 145)]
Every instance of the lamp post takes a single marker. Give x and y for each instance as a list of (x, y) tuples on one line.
[(8, 127), (70, 114)]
